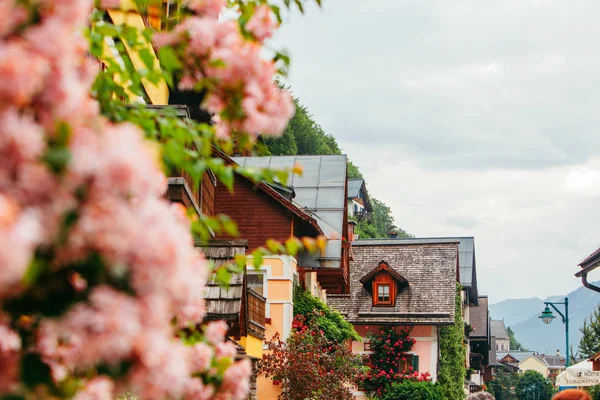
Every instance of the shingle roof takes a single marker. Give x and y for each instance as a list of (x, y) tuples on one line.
[(354, 186), (549, 361), (466, 259), (499, 329), (478, 317), (224, 303), (430, 269), (590, 259), (321, 189)]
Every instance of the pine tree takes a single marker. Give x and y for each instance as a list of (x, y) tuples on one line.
[(590, 340)]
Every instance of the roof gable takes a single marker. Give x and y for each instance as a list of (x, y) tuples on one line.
[(429, 298), (499, 329), (383, 266)]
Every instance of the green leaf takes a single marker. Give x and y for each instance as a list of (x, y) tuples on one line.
[(169, 59), (57, 158), (229, 226), (147, 57), (35, 269), (106, 29), (292, 246), (299, 5), (223, 276), (257, 258)]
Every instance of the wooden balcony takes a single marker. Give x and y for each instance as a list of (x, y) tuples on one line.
[(256, 314)]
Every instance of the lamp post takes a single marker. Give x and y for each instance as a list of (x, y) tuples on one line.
[(548, 316)]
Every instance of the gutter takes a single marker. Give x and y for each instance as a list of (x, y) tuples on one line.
[(583, 275)]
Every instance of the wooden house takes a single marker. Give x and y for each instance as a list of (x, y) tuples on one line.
[(405, 283), (321, 191), (359, 205)]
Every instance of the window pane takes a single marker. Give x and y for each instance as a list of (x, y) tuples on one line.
[(383, 293), (255, 282)]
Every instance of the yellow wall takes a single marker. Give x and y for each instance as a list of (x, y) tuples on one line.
[(157, 93), (279, 291), (253, 346), (531, 363)]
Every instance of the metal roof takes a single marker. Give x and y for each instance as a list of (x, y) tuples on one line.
[(354, 186), (518, 355), (321, 189)]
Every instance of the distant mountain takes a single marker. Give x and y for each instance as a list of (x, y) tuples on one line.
[(515, 311), (537, 336)]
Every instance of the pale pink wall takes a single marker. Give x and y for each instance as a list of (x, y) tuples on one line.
[(426, 347)]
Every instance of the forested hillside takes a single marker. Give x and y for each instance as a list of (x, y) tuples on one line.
[(304, 135)]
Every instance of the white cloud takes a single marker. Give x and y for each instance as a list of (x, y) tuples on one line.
[(469, 118)]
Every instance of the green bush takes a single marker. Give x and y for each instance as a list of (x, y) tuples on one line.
[(411, 390), (333, 324)]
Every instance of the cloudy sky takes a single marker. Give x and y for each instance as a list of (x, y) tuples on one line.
[(467, 117)]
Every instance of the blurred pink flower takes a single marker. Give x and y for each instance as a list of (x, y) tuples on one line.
[(215, 332), (209, 8), (23, 74), (11, 16), (236, 380), (10, 344), (103, 331), (262, 24), (202, 355), (19, 234), (99, 388)]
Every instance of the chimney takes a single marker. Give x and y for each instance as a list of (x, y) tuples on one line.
[(351, 225), (558, 353), (393, 232)]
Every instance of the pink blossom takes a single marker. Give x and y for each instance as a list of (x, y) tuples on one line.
[(19, 234), (215, 331), (163, 368), (10, 344), (11, 16), (23, 74), (209, 8), (108, 4), (202, 355), (196, 390), (100, 388), (21, 139), (262, 24), (9, 340), (74, 13), (236, 380), (105, 331), (226, 349)]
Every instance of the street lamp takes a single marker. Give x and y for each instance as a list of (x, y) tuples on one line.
[(548, 316)]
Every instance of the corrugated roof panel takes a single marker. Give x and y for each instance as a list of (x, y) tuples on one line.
[(330, 197), (333, 219), (306, 197), (333, 171), (354, 186), (311, 167)]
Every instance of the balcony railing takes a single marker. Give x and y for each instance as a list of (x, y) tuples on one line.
[(256, 314)]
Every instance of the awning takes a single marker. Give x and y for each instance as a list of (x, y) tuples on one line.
[(580, 374)]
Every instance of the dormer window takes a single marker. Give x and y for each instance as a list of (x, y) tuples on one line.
[(383, 293), (383, 283)]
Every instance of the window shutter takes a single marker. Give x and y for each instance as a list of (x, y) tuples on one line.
[(415, 362)]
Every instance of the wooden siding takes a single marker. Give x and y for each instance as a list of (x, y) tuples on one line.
[(207, 201), (258, 216), (256, 314)]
